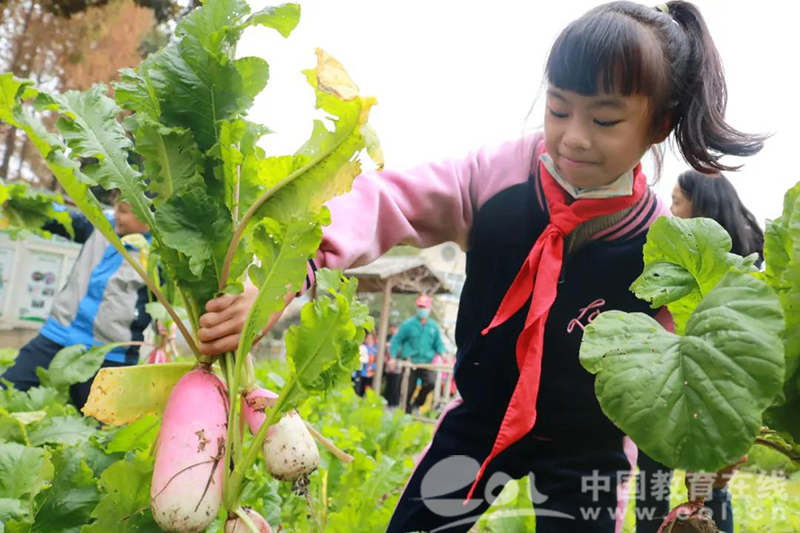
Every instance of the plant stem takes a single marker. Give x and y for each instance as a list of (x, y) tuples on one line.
[(274, 415), (312, 512), (778, 448), (235, 481), (249, 373), (233, 394), (236, 190), (339, 454), (324, 498), (246, 519), (137, 266)]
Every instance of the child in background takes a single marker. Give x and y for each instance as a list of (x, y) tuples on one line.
[(103, 301)]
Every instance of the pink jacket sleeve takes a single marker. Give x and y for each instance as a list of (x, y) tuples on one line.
[(422, 207)]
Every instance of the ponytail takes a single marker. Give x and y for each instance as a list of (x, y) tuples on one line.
[(701, 98)]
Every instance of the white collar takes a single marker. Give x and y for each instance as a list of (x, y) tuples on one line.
[(622, 186)]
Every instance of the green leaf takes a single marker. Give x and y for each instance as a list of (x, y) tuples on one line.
[(12, 430), (790, 300), (283, 18), (777, 246), (76, 364), (791, 213), (214, 26), (172, 160), (324, 167), (197, 229), (196, 89), (693, 402), (34, 399), (75, 183), (125, 504), (8, 356), (159, 313), (29, 417), (68, 430), (323, 349), (23, 471), (138, 391), (12, 509), (782, 256), (284, 250), (90, 128), (227, 151), (684, 259), (138, 435), (29, 210), (783, 418), (135, 92), (255, 74), (66, 506)]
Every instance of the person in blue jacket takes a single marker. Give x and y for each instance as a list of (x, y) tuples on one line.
[(102, 301)]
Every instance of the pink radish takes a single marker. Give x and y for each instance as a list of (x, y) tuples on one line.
[(256, 402), (187, 482), (157, 356), (235, 524)]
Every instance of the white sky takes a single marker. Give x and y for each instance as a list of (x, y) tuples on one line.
[(451, 76)]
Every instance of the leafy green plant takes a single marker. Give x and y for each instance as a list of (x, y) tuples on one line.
[(219, 210), (98, 479), (699, 399), (27, 210), (355, 497)]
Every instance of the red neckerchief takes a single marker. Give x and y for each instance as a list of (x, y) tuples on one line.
[(537, 281)]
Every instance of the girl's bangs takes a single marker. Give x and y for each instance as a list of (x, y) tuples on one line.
[(606, 52)]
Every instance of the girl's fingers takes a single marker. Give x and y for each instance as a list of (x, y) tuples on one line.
[(235, 311), (220, 346), (220, 330), (209, 320), (220, 304)]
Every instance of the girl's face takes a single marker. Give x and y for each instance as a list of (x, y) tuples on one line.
[(681, 204), (593, 140)]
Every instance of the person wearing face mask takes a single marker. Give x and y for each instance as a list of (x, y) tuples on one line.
[(418, 340)]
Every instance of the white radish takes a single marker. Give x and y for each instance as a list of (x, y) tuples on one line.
[(186, 492), (290, 451)]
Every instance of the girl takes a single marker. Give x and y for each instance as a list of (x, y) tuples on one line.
[(714, 196), (710, 196), (554, 225)]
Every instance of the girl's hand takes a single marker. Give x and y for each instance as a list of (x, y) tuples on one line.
[(222, 324)]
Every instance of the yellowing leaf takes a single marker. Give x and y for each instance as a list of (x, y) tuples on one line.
[(333, 78), (122, 395)]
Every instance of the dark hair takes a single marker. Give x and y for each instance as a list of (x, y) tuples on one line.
[(670, 57), (715, 197)]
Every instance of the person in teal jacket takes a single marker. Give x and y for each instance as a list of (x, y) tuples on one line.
[(418, 340)]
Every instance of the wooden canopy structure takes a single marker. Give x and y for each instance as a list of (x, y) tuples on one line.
[(395, 274)]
